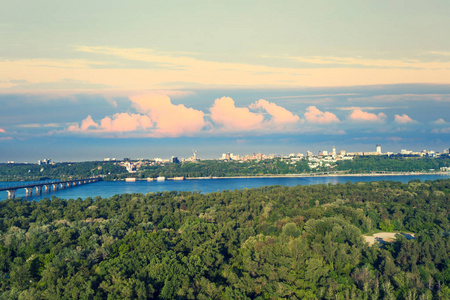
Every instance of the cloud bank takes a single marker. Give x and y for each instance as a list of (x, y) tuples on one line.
[(156, 116)]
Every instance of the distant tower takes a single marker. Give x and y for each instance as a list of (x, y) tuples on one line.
[(195, 154), (334, 151), (379, 149)]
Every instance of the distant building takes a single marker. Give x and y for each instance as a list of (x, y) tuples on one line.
[(334, 151), (45, 161), (405, 152), (174, 160), (379, 149), (309, 153)]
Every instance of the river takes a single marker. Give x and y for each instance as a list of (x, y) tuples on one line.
[(110, 188)]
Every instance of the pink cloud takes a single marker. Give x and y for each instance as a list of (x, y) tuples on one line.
[(359, 115), (314, 115), (403, 119), (232, 118), (2, 130), (120, 122), (170, 119), (88, 123), (279, 115), (124, 122)]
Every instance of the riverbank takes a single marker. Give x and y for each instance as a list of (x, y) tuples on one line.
[(310, 175)]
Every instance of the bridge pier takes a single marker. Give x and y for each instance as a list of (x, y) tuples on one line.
[(38, 190), (11, 194), (29, 191), (47, 188), (55, 187)]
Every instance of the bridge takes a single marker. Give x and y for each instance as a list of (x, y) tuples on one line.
[(46, 185)]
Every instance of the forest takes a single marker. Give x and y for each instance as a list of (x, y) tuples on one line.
[(274, 242), (63, 171)]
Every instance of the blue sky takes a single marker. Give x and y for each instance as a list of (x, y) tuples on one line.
[(86, 80)]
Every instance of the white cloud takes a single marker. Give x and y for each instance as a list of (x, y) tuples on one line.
[(171, 120), (314, 115), (440, 122), (280, 116), (403, 119), (362, 116), (232, 118)]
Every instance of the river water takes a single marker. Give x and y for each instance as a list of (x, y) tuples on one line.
[(110, 188)]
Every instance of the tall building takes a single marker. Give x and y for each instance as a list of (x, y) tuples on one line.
[(334, 151), (379, 149), (174, 160)]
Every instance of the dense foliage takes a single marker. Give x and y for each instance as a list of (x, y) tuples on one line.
[(268, 243), (394, 163), (15, 172), (217, 168)]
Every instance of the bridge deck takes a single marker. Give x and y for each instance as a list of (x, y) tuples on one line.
[(36, 184)]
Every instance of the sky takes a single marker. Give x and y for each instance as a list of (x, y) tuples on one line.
[(86, 80)]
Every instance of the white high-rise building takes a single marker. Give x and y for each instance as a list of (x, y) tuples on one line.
[(379, 149)]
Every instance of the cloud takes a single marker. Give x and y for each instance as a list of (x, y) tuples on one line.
[(314, 115), (403, 119), (362, 116), (368, 62), (162, 70), (440, 121), (232, 118), (313, 96), (279, 115), (366, 108), (171, 120), (125, 122), (2, 130), (156, 117), (394, 139), (441, 130), (120, 122), (405, 97)]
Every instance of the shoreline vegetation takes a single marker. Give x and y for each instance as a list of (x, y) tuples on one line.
[(205, 169), (306, 175), (272, 242)]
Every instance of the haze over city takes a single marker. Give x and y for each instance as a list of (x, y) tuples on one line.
[(87, 80)]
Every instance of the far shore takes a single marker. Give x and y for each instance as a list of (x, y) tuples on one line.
[(309, 175)]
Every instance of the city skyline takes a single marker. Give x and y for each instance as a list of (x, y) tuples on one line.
[(84, 81)]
